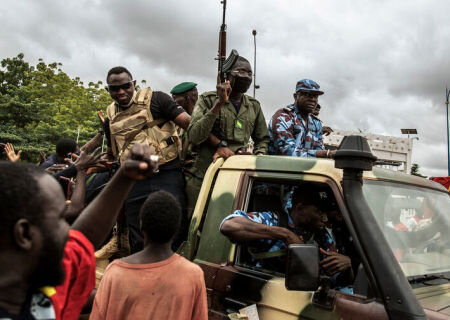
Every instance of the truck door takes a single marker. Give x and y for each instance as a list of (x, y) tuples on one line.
[(257, 276)]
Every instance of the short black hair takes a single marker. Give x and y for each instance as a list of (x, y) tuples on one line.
[(305, 194), (65, 146), (118, 70), (160, 216), (20, 196)]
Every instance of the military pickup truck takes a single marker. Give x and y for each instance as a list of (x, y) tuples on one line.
[(398, 223)]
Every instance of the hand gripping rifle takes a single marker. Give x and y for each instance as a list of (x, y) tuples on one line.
[(224, 64)]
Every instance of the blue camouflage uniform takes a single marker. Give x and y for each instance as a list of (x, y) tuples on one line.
[(290, 135), (267, 218), (317, 123), (323, 240)]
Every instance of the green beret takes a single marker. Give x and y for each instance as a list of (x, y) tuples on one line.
[(183, 87)]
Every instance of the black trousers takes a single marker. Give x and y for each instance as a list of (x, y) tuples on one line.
[(170, 180)]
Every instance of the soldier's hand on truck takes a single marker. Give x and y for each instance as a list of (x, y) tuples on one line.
[(243, 150), (222, 152), (292, 238), (140, 164), (331, 154), (335, 262)]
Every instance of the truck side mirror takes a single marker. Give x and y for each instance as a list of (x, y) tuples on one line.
[(302, 267)]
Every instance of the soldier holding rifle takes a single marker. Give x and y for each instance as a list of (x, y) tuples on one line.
[(232, 116)]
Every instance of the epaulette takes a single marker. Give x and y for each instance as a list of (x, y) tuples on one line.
[(208, 93), (210, 96), (314, 117), (289, 108), (252, 99)]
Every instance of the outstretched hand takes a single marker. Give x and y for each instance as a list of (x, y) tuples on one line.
[(139, 164), (11, 154), (86, 160), (335, 262)]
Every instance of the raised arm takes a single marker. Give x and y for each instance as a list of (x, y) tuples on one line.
[(205, 114), (77, 200), (202, 122), (97, 220), (84, 161)]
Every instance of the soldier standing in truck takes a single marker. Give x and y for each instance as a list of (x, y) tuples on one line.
[(151, 118), (292, 130), (233, 117)]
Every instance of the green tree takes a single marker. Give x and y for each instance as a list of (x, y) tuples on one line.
[(41, 104)]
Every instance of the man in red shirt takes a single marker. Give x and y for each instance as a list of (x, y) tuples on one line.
[(47, 269)]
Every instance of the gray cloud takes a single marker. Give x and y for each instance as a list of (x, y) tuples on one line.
[(383, 64)]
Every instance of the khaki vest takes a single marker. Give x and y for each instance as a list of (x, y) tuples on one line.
[(136, 125)]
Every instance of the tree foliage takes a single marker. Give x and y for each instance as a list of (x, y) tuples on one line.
[(415, 170), (41, 104)]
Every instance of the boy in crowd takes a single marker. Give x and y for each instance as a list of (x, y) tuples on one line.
[(154, 283)]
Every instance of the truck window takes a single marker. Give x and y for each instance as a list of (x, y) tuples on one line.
[(269, 199), (415, 222)]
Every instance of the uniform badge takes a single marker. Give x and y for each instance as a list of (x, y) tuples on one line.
[(239, 124)]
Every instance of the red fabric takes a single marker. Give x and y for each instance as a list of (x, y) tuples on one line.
[(79, 266), (445, 181)]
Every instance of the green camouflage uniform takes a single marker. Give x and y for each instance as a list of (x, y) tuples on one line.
[(188, 153), (235, 129)]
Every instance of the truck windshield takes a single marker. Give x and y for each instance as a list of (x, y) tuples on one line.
[(415, 222)]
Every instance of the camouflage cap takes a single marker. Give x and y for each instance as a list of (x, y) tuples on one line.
[(306, 85), (183, 87)]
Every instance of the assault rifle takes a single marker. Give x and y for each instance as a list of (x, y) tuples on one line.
[(224, 63)]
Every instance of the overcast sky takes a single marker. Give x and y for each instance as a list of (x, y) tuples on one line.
[(383, 64)]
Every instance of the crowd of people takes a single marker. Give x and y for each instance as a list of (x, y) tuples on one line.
[(145, 187)]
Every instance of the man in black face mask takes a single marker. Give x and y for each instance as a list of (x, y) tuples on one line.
[(233, 117)]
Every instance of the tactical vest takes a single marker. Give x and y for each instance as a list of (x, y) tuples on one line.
[(136, 125)]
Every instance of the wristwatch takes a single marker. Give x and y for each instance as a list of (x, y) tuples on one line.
[(222, 144)]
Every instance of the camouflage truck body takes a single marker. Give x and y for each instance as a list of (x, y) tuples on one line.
[(232, 285)]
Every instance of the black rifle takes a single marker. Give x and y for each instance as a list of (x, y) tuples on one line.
[(224, 63), (222, 53)]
